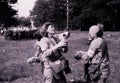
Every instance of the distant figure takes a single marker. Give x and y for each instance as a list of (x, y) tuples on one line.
[(97, 58), (50, 50)]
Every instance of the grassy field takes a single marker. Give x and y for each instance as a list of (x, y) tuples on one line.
[(13, 56)]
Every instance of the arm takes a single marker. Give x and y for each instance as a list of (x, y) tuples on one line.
[(88, 54), (35, 58), (38, 51), (49, 51), (81, 55), (63, 37)]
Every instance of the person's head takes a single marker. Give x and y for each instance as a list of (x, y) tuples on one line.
[(47, 29), (95, 31)]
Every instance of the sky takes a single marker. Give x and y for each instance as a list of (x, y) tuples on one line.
[(23, 7)]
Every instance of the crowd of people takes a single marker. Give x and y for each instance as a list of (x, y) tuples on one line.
[(49, 49), (17, 33)]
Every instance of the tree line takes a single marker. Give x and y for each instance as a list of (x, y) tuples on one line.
[(9, 17), (82, 14)]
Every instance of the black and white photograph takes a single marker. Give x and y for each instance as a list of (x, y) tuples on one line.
[(59, 41)]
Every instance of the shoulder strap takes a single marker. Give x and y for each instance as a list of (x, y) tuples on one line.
[(103, 52)]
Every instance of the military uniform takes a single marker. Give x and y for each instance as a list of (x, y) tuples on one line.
[(98, 56), (98, 51), (46, 44)]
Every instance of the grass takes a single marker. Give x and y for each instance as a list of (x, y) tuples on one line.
[(13, 56)]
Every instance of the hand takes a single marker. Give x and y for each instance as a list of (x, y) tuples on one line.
[(62, 43), (33, 59), (78, 55), (30, 60)]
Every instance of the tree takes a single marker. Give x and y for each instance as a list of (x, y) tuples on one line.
[(114, 7), (51, 10), (24, 21), (7, 13), (82, 13)]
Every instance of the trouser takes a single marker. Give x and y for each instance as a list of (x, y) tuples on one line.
[(86, 74), (105, 71), (49, 76)]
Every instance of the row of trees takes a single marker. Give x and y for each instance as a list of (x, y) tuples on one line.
[(82, 13), (8, 15)]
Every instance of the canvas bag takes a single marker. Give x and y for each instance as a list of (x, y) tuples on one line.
[(58, 65), (58, 62), (94, 71)]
